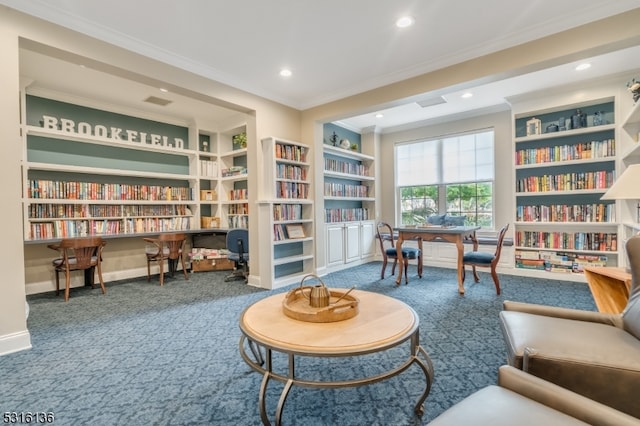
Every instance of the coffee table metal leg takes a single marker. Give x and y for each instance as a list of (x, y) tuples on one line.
[(427, 368), (283, 399), (262, 400)]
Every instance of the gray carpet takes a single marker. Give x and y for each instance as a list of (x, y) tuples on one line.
[(150, 355)]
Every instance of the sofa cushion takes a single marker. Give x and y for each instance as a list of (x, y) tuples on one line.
[(496, 406), (450, 220), (577, 355), (436, 219)]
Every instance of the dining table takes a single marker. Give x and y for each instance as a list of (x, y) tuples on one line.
[(452, 234)]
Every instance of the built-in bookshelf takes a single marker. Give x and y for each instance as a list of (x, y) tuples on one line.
[(234, 192), (349, 197), (565, 160), (92, 172), (286, 210)]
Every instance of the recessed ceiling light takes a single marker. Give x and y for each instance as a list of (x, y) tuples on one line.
[(379, 115), (405, 21), (163, 90), (285, 72), (583, 67), (467, 95)]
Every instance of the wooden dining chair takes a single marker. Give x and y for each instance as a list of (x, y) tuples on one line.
[(388, 249), (169, 247), (78, 254), (485, 260)]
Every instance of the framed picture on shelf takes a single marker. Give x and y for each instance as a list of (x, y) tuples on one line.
[(295, 231), (533, 126)]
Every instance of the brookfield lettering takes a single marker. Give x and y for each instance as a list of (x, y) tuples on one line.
[(115, 134)]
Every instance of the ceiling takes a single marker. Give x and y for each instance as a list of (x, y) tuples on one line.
[(338, 48)]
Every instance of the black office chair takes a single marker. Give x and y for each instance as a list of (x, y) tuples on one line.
[(238, 246)]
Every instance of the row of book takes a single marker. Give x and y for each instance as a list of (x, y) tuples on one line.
[(239, 208), (590, 241), (345, 215), (52, 189), (567, 213), (280, 233), (291, 152), (79, 228), (557, 261), (333, 189), (578, 151), (292, 190), (68, 211), (282, 212), (566, 182), (234, 171), (287, 171), (238, 221), (238, 194), (340, 166)]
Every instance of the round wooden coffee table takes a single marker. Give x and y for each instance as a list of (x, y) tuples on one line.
[(381, 324)]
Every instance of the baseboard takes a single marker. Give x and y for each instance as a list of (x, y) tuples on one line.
[(15, 342), (77, 280)]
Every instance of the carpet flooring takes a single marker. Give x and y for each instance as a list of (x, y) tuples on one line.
[(149, 355)]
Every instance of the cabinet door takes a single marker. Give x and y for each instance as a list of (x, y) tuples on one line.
[(368, 239), (335, 245), (352, 242)]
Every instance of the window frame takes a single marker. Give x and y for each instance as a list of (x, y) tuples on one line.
[(442, 186)]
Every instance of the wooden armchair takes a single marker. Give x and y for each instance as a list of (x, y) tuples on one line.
[(78, 254), (485, 260), (388, 249), (169, 247)]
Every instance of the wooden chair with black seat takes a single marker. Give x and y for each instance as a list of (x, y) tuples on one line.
[(388, 249), (78, 254), (485, 260), (169, 247)]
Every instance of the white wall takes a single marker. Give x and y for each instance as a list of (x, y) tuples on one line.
[(500, 122)]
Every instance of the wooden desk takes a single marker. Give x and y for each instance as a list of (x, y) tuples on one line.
[(609, 286), (455, 234), (381, 324)]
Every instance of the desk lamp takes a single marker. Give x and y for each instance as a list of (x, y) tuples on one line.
[(626, 187)]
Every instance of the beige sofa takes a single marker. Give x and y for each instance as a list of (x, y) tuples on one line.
[(594, 354), (525, 400)]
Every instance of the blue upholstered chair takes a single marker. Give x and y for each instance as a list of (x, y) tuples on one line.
[(388, 249), (238, 246), (485, 260)]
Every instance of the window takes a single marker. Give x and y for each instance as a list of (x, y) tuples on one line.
[(452, 175)]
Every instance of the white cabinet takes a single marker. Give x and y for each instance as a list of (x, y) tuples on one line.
[(350, 242), (335, 245)]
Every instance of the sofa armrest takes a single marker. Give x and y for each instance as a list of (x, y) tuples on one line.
[(561, 399), (566, 313)]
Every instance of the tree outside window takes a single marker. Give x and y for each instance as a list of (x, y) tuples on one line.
[(418, 203), (452, 175), (472, 200)]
